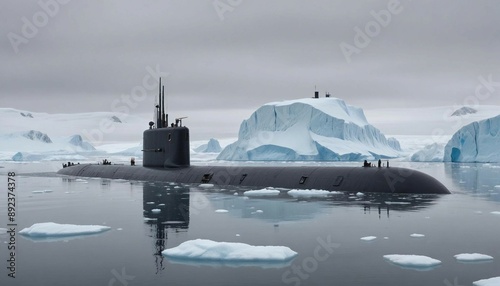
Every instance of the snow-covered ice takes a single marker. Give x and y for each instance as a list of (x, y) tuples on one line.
[(475, 142), (262, 192), (368, 238), (430, 153), (233, 252), (308, 193), (309, 129), (494, 281), (417, 235), (48, 229), (206, 185), (41, 191), (473, 257), (412, 261)]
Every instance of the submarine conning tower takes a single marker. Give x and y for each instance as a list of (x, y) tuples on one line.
[(164, 145)]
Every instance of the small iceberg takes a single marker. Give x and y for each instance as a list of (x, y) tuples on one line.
[(417, 235), (494, 281), (308, 193), (50, 229), (156, 211), (495, 213), (368, 238), (41, 191), (206, 185), (221, 211), (261, 193), (416, 262), (235, 254), (473, 257)]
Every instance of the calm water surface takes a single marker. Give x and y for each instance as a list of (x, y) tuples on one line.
[(325, 232)]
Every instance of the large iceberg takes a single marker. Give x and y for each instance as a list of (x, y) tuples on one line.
[(430, 153), (309, 129), (476, 142)]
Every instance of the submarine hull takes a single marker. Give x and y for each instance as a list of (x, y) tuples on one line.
[(343, 179)]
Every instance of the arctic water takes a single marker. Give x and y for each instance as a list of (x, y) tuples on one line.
[(325, 231)]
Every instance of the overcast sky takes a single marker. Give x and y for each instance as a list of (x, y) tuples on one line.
[(225, 58)]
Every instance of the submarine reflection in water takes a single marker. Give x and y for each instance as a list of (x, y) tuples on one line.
[(166, 207)]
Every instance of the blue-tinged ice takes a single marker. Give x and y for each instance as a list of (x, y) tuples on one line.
[(213, 146), (494, 281), (417, 262), (50, 229), (473, 257), (204, 251), (309, 129), (475, 142)]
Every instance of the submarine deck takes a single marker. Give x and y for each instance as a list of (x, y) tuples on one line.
[(347, 179)]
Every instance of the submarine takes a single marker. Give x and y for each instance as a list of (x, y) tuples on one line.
[(166, 157)]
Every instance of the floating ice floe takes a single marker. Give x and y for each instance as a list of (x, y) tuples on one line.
[(262, 192), (497, 186), (155, 211), (204, 251), (50, 229), (41, 191), (360, 194), (206, 185), (368, 238), (418, 262), (417, 235), (495, 213), (473, 257), (259, 211), (150, 203), (494, 281), (309, 193), (221, 211)]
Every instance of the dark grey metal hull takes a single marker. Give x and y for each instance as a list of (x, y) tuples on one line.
[(348, 179)]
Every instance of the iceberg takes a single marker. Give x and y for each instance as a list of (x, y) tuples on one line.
[(78, 142), (309, 193), (213, 146), (261, 193), (368, 238), (431, 153), (316, 129), (473, 257), (50, 229), (494, 281), (418, 262), (234, 253), (476, 142)]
